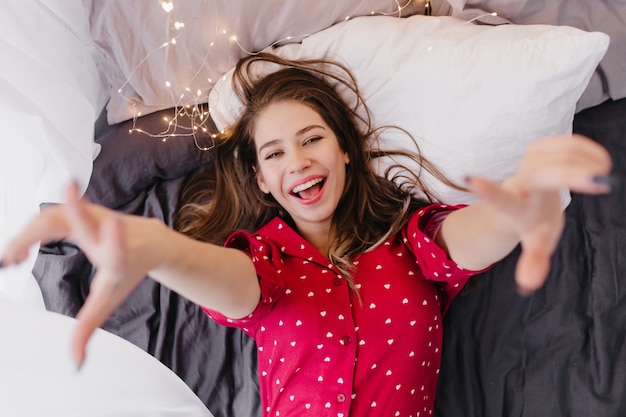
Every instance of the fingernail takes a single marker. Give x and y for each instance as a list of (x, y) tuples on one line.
[(78, 363), (607, 180), (1, 263), (523, 292)]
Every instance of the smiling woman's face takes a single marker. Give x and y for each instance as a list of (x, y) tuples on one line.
[(300, 162)]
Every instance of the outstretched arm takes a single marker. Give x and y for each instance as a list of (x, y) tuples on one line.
[(125, 248), (525, 208)]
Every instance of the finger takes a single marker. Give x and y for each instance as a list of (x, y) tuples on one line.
[(51, 224), (533, 265), (98, 306), (108, 290), (47, 226), (574, 144), (493, 193), (571, 162), (577, 176), (84, 227), (574, 172), (82, 333), (531, 271)]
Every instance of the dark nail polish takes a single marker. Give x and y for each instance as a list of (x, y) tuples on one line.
[(1, 263), (607, 180)]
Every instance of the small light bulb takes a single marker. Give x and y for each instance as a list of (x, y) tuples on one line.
[(167, 6)]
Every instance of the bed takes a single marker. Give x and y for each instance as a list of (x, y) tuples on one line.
[(482, 85)]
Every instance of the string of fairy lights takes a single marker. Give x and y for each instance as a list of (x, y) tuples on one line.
[(190, 116)]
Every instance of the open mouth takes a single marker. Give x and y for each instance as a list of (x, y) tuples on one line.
[(308, 189)]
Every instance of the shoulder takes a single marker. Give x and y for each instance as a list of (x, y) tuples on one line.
[(261, 239), (419, 234), (265, 251), (428, 219)]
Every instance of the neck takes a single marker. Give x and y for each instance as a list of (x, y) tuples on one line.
[(317, 235)]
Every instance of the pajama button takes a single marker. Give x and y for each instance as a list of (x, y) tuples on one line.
[(346, 340), (338, 281), (341, 398)]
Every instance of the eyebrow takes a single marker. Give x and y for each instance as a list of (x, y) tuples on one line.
[(298, 133)]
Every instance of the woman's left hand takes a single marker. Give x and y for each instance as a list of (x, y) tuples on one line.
[(531, 199)]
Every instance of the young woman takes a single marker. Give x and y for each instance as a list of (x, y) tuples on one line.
[(339, 274)]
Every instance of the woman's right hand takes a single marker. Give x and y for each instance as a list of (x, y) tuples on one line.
[(112, 242)]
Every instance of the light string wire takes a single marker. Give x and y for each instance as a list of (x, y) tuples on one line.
[(197, 113), (472, 20), (196, 109)]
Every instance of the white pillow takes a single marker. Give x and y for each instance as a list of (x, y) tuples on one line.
[(210, 37), (609, 17), (474, 96)]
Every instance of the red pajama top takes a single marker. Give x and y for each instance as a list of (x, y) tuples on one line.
[(323, 350)]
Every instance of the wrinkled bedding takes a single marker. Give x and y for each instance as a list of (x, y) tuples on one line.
[(557, 352)]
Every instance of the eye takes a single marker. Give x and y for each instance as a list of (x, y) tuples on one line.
[(273, 155), (312, 140)]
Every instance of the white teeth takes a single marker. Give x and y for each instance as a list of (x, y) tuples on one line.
[(306, 185)]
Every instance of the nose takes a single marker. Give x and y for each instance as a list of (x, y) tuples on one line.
[(298, 160)]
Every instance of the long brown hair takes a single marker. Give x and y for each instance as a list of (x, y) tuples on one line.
[(372, 207)]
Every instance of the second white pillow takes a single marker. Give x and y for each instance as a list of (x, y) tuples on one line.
[(473, 96)]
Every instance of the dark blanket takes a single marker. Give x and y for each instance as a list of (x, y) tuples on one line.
[(558, 352)]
